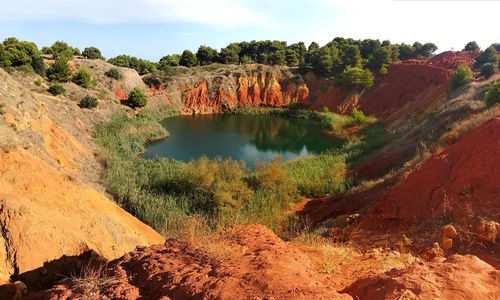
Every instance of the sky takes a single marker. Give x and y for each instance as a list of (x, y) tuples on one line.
[(153, 28)]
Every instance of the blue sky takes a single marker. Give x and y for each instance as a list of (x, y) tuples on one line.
[(153, 28)]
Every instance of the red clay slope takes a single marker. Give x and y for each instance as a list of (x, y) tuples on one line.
[(412, 85), (458, 278), (460, 182)]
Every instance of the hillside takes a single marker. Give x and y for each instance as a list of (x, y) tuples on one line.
[(434, 192)]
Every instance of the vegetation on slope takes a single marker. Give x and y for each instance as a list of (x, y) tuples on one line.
[(169, 194)]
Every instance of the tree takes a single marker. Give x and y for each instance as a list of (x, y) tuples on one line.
[(354, 78), (83, 78), (381, 58), (492, 95), (92, 53), (324, 63), (230, 54), (169, 61), (277, 58), (496, 46), (291, 57), (489, 55), (461, 76), (488, 69), (427, 49), (142, 66), (301, 50), (188, 59), (406, 52), (472, 46), (351, 56), (62, 50), (114, 73), (59, 71), (206, 55), (136, 98)]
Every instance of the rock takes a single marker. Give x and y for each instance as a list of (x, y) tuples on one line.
[(488, 231), (13, 291), (432, 252), (446, 243), (449, 231)]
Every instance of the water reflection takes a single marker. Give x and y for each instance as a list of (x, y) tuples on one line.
[(248, 138)]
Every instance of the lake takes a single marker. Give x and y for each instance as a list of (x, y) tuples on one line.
[(241, 137)]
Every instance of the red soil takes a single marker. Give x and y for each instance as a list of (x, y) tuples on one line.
[(463, 179), (458, 277)]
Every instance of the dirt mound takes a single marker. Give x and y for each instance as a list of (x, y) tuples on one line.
[(451, 60), (256, 265), (45, 212), (457, 277)]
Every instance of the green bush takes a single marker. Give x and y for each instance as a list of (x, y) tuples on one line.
[(114, 73), (324, 109), (142, 66), (56, 89), (59, 71), (83, 78), (88, 102), (358, 116), (354, 78), (38, 82), (462, 75), (492, 95), (488, 69), (2, 109), (61, 50), (92, 53), (136, 98)]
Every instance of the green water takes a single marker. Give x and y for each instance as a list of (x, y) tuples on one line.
[(247, 138)]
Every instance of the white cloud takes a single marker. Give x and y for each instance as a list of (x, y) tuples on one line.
[(213, 12), (449, 24)]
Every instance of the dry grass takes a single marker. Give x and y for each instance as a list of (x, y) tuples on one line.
[(91, 281)]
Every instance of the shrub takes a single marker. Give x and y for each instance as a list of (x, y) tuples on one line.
[(142, 66), (83, 78), (136, 98), (461, 76), (38, 65), (358, 116), (2, 109), (325, 109), (38, 82), (92, 53), (88, 102), (114, 73), (492, 95), (59, 71), (56, 89), (489, 55), (488, 69)]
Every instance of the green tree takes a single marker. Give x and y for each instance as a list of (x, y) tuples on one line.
[(355, 78), (59, 71), (142, 66), (188, 59), (381, 58), (406, 52), (61, 50), (488, 69), (492, 95), (351, 56), (169, 61), (461, 76), (136, 98), (301, 50), (230, 54), (206, 55), (427, 49), (489, 55), (292, 58), (92, 53), (83, 78), (472, 46)]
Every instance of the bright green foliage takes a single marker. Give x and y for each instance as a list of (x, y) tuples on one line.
[(59, 71), (136, 98), (472, 46), (89, 102), (15, 53), (114, 73), (461, 76), (488, 69), (489, 55), (188, 59), (207, 55), (169, 61), (142, 66), (324, 109), (492, 95), (358, 116), (61, 50), (56, 89), (354, 78), (83, 78), (92, 53)]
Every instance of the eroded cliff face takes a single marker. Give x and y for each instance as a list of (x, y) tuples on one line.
[(409, 86)]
